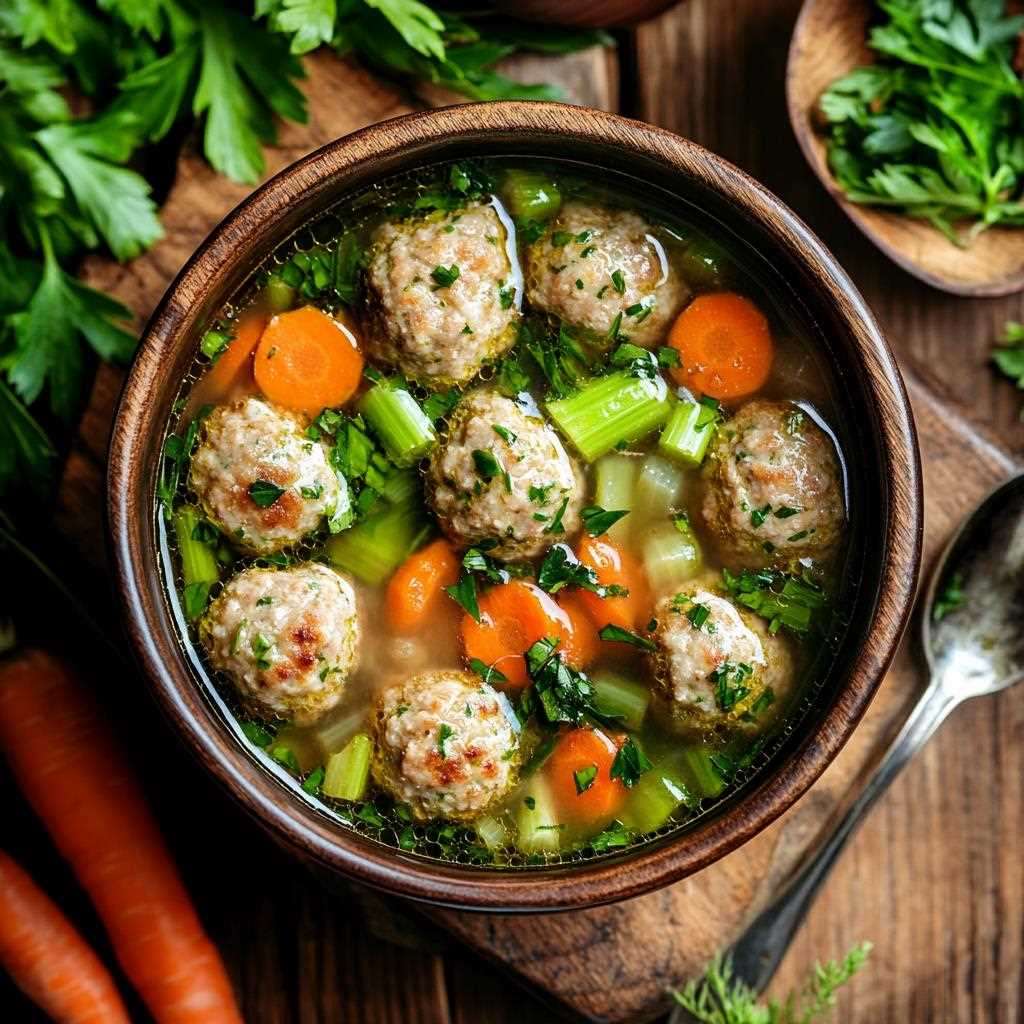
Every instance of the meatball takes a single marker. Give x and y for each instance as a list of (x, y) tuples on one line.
[(502, 474), (260, 478), (772, 489), (715, 664), (287, 639), (436, 327), (595, 263), (446, 745)]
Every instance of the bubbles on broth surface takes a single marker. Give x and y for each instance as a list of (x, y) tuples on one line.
[(802, 374)]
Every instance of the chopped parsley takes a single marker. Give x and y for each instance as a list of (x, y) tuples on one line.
[(618, 635), (439, 404), (614, 837), (444, 733), (618, 281), (782, 598), (730, 684), (950, 599), (555, 526), (630, 763), (561, 238), (312, 493), (597, 520), (759, 515), (584, 778), (256, 733), (445, 276), (312, 782), (561, 568), (488, 673), (698, 614), (504, 433), (506, 296), (559, 693)]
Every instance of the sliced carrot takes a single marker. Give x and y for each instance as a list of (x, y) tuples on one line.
[(513, 617), (615, 566), (580, 773), (725, 346), (418, 585), (47, 958), (581, 646), (77, 779), (233, 367), (308, 361)]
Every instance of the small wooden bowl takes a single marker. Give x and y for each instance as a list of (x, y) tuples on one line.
[(830, 39), (883, 471)]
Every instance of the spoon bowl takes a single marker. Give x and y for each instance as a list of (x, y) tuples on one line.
[(830, 39), (977, 647)]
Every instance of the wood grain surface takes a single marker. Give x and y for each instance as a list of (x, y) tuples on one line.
[(828, 42), (935, 876)]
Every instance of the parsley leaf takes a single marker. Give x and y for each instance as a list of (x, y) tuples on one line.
[(561, 568), (264, 493), (597, 520), (950, 599), (630, 763), (619, 635), (783, 599), (560, 693)]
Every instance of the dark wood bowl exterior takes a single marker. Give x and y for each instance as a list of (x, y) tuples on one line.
[(890, 487)]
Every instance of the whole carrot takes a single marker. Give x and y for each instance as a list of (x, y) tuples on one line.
[(77, 779), (47, 959)]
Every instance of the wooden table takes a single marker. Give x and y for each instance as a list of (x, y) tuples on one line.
[(934, 879)]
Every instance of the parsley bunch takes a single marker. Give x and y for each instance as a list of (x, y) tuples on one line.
[(935, 129), (144, 72), (1009, 355), (720, 998)]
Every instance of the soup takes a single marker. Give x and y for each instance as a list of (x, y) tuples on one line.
[(504, 510)]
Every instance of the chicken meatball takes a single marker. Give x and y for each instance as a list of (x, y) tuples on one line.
[(595, 263), (772, 488), (441, 294), (715, 664), (286, 638), (446, 745), (502, 474), (261, 479)]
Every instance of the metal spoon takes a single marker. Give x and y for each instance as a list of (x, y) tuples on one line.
[(974, 649)]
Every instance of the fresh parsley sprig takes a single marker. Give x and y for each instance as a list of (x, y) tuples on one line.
[(1008, 356), (933, 129)]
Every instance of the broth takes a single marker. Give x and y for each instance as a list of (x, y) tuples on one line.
[(667, 651)]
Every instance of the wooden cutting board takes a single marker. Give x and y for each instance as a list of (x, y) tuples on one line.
[(614, 963)]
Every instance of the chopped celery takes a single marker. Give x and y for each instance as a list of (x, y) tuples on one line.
[(618, 697), (530, 195), (373, 549), (279, 295), (658, 488), (536, 819), (492, 833), (611, 410), (198, 561), (654, 799), (671, 556), (688, 432), (348, 771), (615, 486), (397, 419), (699, 772), (400, 486), (334, 731)]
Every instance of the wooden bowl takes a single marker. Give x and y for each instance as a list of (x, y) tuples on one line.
[(883, 470), (830, 39)]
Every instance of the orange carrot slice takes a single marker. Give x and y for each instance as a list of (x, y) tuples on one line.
[(614, 565), (308, 361), (581, 645), (233, 368), (725, 346), (418, 584), (580, 773), (513, 617), (47, 958), (79, 782)]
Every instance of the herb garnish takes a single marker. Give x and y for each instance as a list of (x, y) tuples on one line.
[(730, 680), (561, 568), (444, 733), (445, 276), (559, 693), (783, 599), (619, 635), (264, 493), (555, 526), (488, 673), (584, 778), (1009, 355), (475, 563), (439, 404), (951, 598), (630, 763), (597, 520)]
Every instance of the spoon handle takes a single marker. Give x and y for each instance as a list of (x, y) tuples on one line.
[(761, 947)]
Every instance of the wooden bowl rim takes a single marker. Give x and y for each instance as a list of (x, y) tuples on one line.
[(297, 826), (803, 128)]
